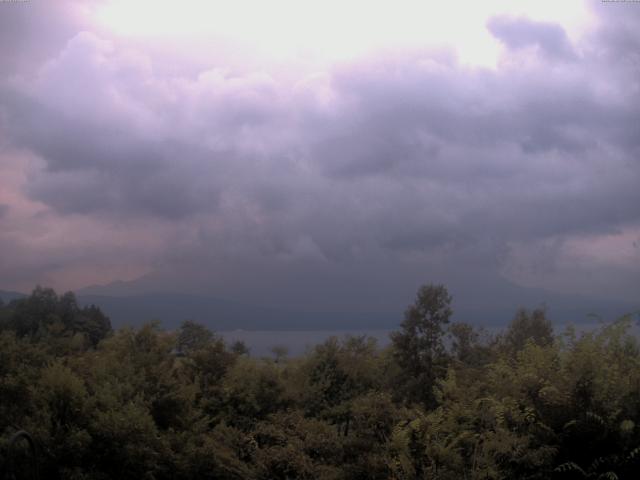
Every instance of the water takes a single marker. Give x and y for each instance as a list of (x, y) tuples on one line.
[(297, 342)]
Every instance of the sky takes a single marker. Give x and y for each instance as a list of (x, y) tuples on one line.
[(326, 154)]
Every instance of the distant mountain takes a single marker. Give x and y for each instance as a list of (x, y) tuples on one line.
[(171, 309), (7, 296), (217, 314), (119, 288), (488, 299), (126, 303)]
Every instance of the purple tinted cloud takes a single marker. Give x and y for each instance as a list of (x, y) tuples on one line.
[(408, 161), (519, 33)]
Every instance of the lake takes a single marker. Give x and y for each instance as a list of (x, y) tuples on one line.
[(297, 342)]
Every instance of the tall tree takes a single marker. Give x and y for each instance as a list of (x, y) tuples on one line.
[(418, 347)]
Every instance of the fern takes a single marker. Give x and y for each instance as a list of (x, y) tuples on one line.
[(633, 454), (604, 468), (594, 417), (571, 467), (608, 476)]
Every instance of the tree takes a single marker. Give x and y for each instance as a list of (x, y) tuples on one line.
[(193, 336), (94, 324), (418, 347), (239, 348), (280, 353), (31, 314), (468, 345), (45, 314), (525, 326)]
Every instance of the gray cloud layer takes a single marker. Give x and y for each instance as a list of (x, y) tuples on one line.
[(519, 33), (406, 163)]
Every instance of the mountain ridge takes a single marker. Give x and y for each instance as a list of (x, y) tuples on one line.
[(171, 308)]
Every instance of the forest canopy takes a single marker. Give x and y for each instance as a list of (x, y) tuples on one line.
[(444, 400)]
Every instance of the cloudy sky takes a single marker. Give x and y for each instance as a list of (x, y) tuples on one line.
[(321, 153)]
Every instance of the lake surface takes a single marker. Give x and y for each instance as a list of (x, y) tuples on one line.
[(297, 342)]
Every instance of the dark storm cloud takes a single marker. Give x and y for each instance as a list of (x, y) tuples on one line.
[(97, 166), (442, 146), (409, 155), (518, 150), (519, 33), (97, 158)]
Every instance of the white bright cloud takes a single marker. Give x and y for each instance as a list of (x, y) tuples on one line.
[(331, 30)]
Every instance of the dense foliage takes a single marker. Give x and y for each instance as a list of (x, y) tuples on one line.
[(443, 401)]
